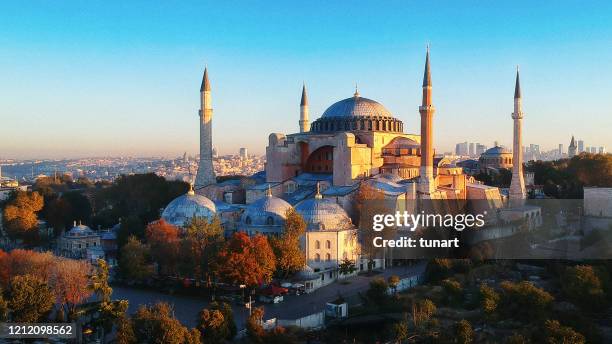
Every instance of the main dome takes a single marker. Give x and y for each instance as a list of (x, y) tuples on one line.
[(356, 106)]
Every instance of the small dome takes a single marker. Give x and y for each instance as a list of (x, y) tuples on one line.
[(182, 209), (322, 214), (80, 230), (357, 106), (496, 151), (306, 274), (266, 211)]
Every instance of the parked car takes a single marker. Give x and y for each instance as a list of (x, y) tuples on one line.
[(270, 298)]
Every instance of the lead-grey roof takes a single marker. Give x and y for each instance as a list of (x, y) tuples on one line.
[(356, 107), (183, 208), (323, 214)]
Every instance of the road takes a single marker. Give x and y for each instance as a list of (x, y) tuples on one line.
[(186, 308)]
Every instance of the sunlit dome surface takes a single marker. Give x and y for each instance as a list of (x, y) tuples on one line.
[(266, 211), (184, 208), (356, 106), (323, 214)]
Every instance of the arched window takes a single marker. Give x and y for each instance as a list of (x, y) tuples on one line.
[(317, 257), (270, 221), (248, 220), (327, 257), (317, 245), (328, 244)]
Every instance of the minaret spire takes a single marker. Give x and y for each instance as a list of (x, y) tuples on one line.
[(517, 192), (426, 184), (304, 111), (206, 173)]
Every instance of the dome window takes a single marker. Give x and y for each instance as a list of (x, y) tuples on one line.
[(248, 220), (270, 221)]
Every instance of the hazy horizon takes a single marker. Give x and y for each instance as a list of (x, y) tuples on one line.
[(122, 79)]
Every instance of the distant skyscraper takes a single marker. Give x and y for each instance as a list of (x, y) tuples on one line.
[(560, 149), (472, 150), (571, 150), (517, 184), (215, 153), (244, 153), (602, 150), (206, 173), (593, 150), (480, 149), (461, 148), (580, 146)]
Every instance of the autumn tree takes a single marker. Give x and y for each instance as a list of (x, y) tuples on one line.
[(289, 254), (200, 247), (245, 260), (26, 262), (20, 214), (70, 283), (4, 308), (155, 324), (393, 281), (163, 239), (125, 332), (30, 299), (254, 326), (211, 324), (133, 262)]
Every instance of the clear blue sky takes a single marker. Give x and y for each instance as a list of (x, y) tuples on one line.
[(88, 78)]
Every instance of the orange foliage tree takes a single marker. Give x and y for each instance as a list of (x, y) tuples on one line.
[(163, 238), (245, 260), (20, 213)]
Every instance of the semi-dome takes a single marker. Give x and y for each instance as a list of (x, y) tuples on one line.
[(322, 214), (266, 211), (357, 106), (182, 209)]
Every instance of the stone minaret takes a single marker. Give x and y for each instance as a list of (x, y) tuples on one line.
[(206, 173), (571, 150), (426, 184), (517, 185), (304, 112)]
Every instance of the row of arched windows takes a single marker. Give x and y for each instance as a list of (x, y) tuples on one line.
[(318, 244), (357, 124)]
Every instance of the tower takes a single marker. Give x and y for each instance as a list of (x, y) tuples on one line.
[(517, 185), (426, 184), (571, 150), (206, 173), (304, 112)]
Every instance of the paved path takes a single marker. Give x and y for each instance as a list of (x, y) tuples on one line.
[(186, 308)]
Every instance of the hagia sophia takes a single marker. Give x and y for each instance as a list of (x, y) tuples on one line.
[(318, 171)]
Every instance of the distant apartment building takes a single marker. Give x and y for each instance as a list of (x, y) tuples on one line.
[(580, 146), (461, 149), (244, 153)]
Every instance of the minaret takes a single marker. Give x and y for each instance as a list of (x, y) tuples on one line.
[(304, 112), (517, 185), (426, 184), (206, 173)]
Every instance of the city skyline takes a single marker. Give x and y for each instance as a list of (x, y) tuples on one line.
[(120, 86)]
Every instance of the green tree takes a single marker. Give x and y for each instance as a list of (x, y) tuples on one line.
[(453, 291), (377, 293), (489, 300), (133, 263), (228, 316), (524, 301), (110, 312), (582, 285), (200, 246), (289, 255), (555, 333), (156, 324), (30, 299), (347, 267), (464, 333)]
